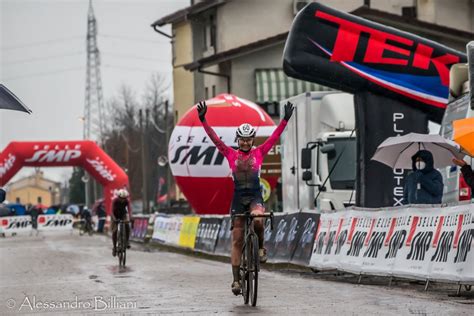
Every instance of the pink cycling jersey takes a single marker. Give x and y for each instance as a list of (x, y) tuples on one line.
[(245, 166)]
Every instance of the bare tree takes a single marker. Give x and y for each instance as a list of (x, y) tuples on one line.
[(123, 136)]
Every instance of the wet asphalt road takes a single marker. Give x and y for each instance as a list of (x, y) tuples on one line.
[(64, 273)]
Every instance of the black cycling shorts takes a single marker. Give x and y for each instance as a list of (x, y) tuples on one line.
[(244, 201)]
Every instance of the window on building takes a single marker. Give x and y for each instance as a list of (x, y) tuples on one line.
[(18, 200), (206, 93), (40, 200), (210, 33), (213, 90)]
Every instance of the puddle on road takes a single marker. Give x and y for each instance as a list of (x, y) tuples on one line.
[(117, 271)]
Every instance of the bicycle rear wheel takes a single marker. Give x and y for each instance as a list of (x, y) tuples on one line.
[(119, 244), (124, 248), (253, 265)]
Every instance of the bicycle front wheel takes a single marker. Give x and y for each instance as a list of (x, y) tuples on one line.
[(253, 265), (244, 276)]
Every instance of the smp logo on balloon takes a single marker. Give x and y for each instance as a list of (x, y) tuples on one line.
[(193, 153), (56, 154)]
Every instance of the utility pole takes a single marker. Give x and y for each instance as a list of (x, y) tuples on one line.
[(168, 174), (144, 164), (93, 107)]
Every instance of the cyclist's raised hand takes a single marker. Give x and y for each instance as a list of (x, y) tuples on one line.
[(288, 110), (202, 109)]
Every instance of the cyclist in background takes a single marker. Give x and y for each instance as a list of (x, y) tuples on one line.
[(245, 163), (87, 218), (120, 211)]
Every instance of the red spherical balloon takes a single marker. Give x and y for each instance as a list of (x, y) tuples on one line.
[(201, 172)]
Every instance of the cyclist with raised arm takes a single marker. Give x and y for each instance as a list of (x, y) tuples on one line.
[(120, 211), (245, 163)]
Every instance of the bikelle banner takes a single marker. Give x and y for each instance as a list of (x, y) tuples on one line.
[(414, 242), (207, 233), (280, 241), (292, 237), (55, 222), (15, 224), (307, 225), (224, 239)]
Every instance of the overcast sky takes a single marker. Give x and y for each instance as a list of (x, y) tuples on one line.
[(43, 58)]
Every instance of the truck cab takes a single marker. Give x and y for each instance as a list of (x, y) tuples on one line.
[(460, 106), (319, 152)]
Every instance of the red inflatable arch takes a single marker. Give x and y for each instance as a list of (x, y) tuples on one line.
[(85, 154)]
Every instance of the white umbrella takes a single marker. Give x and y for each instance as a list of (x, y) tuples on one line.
[(396, 152)]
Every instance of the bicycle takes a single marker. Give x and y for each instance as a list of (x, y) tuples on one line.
[(250, 260), (86, 227), (121, 243)]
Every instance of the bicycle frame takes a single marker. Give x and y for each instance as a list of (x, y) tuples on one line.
[(250, 261)]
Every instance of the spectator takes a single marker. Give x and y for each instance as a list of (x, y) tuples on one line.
[(466, 171), (101, 214), (425, 184), (34, 212), (2, 195)]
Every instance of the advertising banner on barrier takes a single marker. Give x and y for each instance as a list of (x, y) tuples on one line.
[(160, 228), (55, 222), (167, 229), (207, 233), (15, 224), (292, 237), (224, 239), (307, 225), (415, 242), (276, 241), (140, 226), (187, 237)]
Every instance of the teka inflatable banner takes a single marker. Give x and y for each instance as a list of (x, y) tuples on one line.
[(350, 53), (201, 172), (86, 154)]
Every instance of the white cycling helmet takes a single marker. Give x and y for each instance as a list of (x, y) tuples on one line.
[(122, 193), (245, 130)]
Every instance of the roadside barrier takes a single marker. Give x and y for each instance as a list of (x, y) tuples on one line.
[(416, 242)]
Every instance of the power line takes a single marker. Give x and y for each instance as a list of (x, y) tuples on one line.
[(130, 68), (82, 37), (133, 39), (43, 42), (47, 73), (29, 60), (40, 74), (24, 61), (135, 57)]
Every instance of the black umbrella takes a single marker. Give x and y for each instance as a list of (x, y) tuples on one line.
[(10, 101)]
